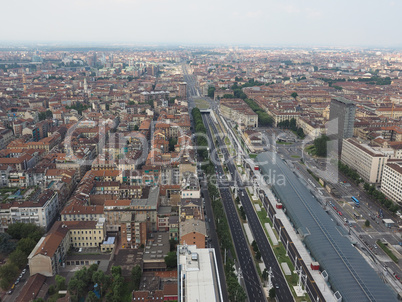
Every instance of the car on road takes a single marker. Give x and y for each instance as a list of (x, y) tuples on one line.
[(340, 213), (10, 292), (276, 285)]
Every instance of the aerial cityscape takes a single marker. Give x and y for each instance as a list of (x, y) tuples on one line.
[(200, 151)]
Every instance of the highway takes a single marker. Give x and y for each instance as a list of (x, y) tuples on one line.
[(282, 291), (212, 235), (248, 270)]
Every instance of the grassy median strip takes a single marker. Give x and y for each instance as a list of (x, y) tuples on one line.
[(387, 251)]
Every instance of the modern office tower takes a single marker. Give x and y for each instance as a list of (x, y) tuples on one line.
[(342, 116)]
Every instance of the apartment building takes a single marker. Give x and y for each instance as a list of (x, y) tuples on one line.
[(282, 115), (50, 253), (366, 160), (41, 211), (193, 232), (391, 183), (238, 111), (87, 233), (78, 212)]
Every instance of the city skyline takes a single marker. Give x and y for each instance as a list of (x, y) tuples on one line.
[(258, 23)]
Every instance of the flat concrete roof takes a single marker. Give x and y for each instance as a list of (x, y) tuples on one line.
[(201, 282)]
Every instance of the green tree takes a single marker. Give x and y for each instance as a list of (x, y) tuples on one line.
[(258, 255), (292, 124), (23, 230), (242, 213), (116, 271), (265, 274), (367, 223), (172, 243), (171, 260), (300, 133), (8, 273), (76, 287), (294, 95), (26, 245), (255, 246), (136, 128), (100, 278), (136, 274), (52, 290), (91, 297), (211, 92), (6, 244), (272, 293), (60, 282), (366, 186), (172, 143), (19, 258)]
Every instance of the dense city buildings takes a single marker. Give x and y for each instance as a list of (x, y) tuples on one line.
[(105, 160)]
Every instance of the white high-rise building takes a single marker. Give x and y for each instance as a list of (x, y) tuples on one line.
[(198, 277), (391, 184)]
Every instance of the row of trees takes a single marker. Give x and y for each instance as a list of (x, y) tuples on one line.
[(380, 196), (351, 173), (201, 132), (291, 124), (256, 250), (211, 92), (263, 118), (79, 107), (374, 80), (370, 189), (235, 291), (17, 243)]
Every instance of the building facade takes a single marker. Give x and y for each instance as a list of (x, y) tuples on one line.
[(368, 162), (342, 113), (391, 184)]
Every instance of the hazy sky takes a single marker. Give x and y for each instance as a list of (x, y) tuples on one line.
[(256, 22)]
